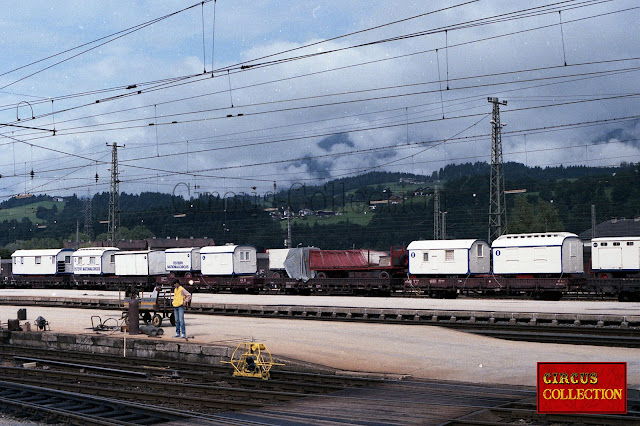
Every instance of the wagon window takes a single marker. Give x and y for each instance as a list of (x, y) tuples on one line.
[(67, 259), (603, 244), (425, 257), (113, 258), (15, 260), (480, 251), (38, 260), (616, 244), (92, 260), (22, 260), (629, 243), (448, 255)]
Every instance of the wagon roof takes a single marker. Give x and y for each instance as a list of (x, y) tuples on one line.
[(595, 240), (125, 252), (94, 251), (337, 259), (535, 239), (441, 244), (181, 250), (42, 252), (222, 249)]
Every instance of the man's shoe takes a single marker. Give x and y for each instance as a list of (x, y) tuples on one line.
[(184, 336), (176, 335)]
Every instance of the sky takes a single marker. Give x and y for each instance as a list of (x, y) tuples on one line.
[(230, 97)]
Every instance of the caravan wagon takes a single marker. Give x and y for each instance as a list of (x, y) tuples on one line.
[(228, 260), (449, 257), (182, 261), (95, 261), (546, 253), (42, 262), (145, 263), (615, 256)]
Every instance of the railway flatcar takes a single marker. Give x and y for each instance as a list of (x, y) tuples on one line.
[(449, 258), (95, 261), (615, 257), (549, 254)]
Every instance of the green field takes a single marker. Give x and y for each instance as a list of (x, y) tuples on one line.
[(358, 214), (28, 211)]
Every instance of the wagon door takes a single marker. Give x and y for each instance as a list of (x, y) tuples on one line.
[(610, 257)]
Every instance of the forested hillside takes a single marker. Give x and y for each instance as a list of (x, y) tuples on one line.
[(374, 210)]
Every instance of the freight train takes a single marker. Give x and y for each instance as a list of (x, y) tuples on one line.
[(541, 265)]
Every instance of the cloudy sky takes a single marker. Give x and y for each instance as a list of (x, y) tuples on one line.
[(232, 96)]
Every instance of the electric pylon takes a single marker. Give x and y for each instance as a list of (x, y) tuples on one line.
[(497, 205)]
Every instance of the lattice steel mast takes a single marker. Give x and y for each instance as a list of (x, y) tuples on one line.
[(436, 213), (497, 204), (114, 196)]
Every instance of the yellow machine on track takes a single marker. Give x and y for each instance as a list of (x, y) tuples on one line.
[(251, 359)]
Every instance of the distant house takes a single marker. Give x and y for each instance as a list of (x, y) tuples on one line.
[(614, 228)]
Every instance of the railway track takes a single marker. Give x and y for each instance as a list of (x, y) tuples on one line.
[(44, 404), (207, 394)]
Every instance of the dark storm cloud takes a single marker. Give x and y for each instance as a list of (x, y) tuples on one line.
[(319, 169), (337, 139), (626, 134)]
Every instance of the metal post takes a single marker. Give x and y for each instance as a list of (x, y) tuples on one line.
[(497, 204), (593, 221), (88, 226), (436, 213), (288, 242)]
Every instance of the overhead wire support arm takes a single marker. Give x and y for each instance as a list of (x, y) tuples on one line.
[(28, 127)]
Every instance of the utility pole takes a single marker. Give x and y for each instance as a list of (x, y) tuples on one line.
[(497, 204), (114, 196), (288, 242), (593, 221), (436, 213), (443, 231)]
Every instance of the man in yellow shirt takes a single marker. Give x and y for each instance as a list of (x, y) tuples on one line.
[(180, 299)]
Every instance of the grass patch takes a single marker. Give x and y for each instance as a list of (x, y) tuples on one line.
[(29, 211), (358, 214)]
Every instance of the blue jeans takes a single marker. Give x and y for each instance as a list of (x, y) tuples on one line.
[(178, 314)]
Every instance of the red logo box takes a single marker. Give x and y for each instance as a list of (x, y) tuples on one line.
[(582, 387)]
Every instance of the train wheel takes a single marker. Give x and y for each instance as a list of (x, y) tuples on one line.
[(624, 297), (383, 274), (321, 275), (275, 275), (157, 320), (604, 275), (172, 319), (146, 317)]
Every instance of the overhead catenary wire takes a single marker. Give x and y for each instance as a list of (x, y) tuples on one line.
[(228, 69), (441, 102)]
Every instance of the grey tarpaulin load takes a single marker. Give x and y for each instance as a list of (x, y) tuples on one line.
[(297, 264)]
